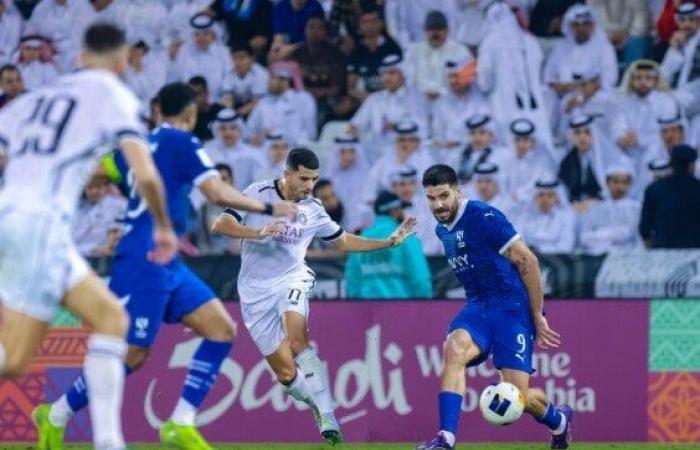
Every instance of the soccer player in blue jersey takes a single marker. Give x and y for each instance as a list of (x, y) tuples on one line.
[(155, 294), (503, 316)]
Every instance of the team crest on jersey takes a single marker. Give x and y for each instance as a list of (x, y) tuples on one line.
[(460, 239), (141, 325), (302, 218)]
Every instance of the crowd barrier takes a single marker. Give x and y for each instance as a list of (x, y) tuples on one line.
[(630, 369)]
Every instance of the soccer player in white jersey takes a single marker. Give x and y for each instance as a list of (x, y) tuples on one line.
[(274, 282), (54, 138)]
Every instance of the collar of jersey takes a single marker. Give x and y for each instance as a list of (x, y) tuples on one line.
[(460, 213)]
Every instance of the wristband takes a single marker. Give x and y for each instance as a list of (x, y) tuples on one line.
[(268, 209)]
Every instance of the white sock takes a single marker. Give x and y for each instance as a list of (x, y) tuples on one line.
[(2, 358), (184, 413), (449, 437), (104, 376), (299, 389), (317, 379), (61, 412), (562, 425)]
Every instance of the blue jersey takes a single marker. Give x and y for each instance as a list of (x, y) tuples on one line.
[(474, 245), (182, 164)]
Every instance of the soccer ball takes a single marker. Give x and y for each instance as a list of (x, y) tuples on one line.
[(502, 404)]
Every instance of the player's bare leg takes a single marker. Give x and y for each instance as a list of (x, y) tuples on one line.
[(315, 372), (558, 420), (212, 322), (20, 336), (98, 308), (458, 350)]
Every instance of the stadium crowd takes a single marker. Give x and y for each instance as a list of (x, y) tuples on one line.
[(581, 121)]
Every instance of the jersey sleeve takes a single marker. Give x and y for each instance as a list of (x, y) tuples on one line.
[(499, 234), (193, 163), (326, 228), (123, 120)]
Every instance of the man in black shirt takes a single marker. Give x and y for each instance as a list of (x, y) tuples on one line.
[(364, 62), (671, 208), (206, 111)]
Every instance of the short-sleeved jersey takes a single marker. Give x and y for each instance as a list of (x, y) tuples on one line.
[(55, 136), (182, 164), (474, 244), (273, 263)]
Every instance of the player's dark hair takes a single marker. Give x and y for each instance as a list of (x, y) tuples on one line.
[(225, 168), (199, 81), (302, 156), (439, 174), (320, 184), (174, 98), (8, 68), (103, 37)]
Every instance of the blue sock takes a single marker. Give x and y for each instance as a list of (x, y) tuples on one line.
[(450, 410), (203, 370), (552, 417), (77, 394)]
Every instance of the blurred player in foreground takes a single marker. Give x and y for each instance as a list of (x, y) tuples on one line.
[(155, 294), (54, 138), (503, 316), (274, 282)]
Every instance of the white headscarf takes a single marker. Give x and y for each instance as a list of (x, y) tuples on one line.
[(348, 182)]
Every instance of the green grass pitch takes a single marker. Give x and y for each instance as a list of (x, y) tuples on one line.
[(406, 446)]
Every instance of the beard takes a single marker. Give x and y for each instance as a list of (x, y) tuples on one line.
[(453, 213)]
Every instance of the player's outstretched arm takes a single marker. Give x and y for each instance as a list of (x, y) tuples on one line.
[(520, 255), (150, 187), (354, 243), (224, 195), (227, 225)]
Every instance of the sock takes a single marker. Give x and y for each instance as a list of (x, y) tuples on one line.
[(450, 404), (553, 419), (299, 389), (2, 358), (202, 373), (75, 399), (184, 413), (104, 378), (316, 379)]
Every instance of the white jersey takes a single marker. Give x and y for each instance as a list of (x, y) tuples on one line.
[(55, 136), (272, 264)]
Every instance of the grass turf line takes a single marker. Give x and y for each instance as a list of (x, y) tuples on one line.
[(510, 446)]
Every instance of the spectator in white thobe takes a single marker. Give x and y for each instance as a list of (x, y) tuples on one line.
[(202, 56), (348, 169), (585, 45), (228, 148), (10, 32), (146, 72), (407, 151), (374, 122), (63, 22), (35, 72), (245, 83), (681, 63), (96, 230), (527, 162), (482, 147), (283, 109), (451, 111), (405, 19), (275, 148), (143, 20), (612, 224), (487, 188), (510, 61), (426, 59), (404, 183), (548, 224)]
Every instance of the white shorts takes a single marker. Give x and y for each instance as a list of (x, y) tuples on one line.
[(38, 261), (263, 318)]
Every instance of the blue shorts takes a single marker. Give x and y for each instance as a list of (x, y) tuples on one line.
[(507, 335), (154, 294)]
